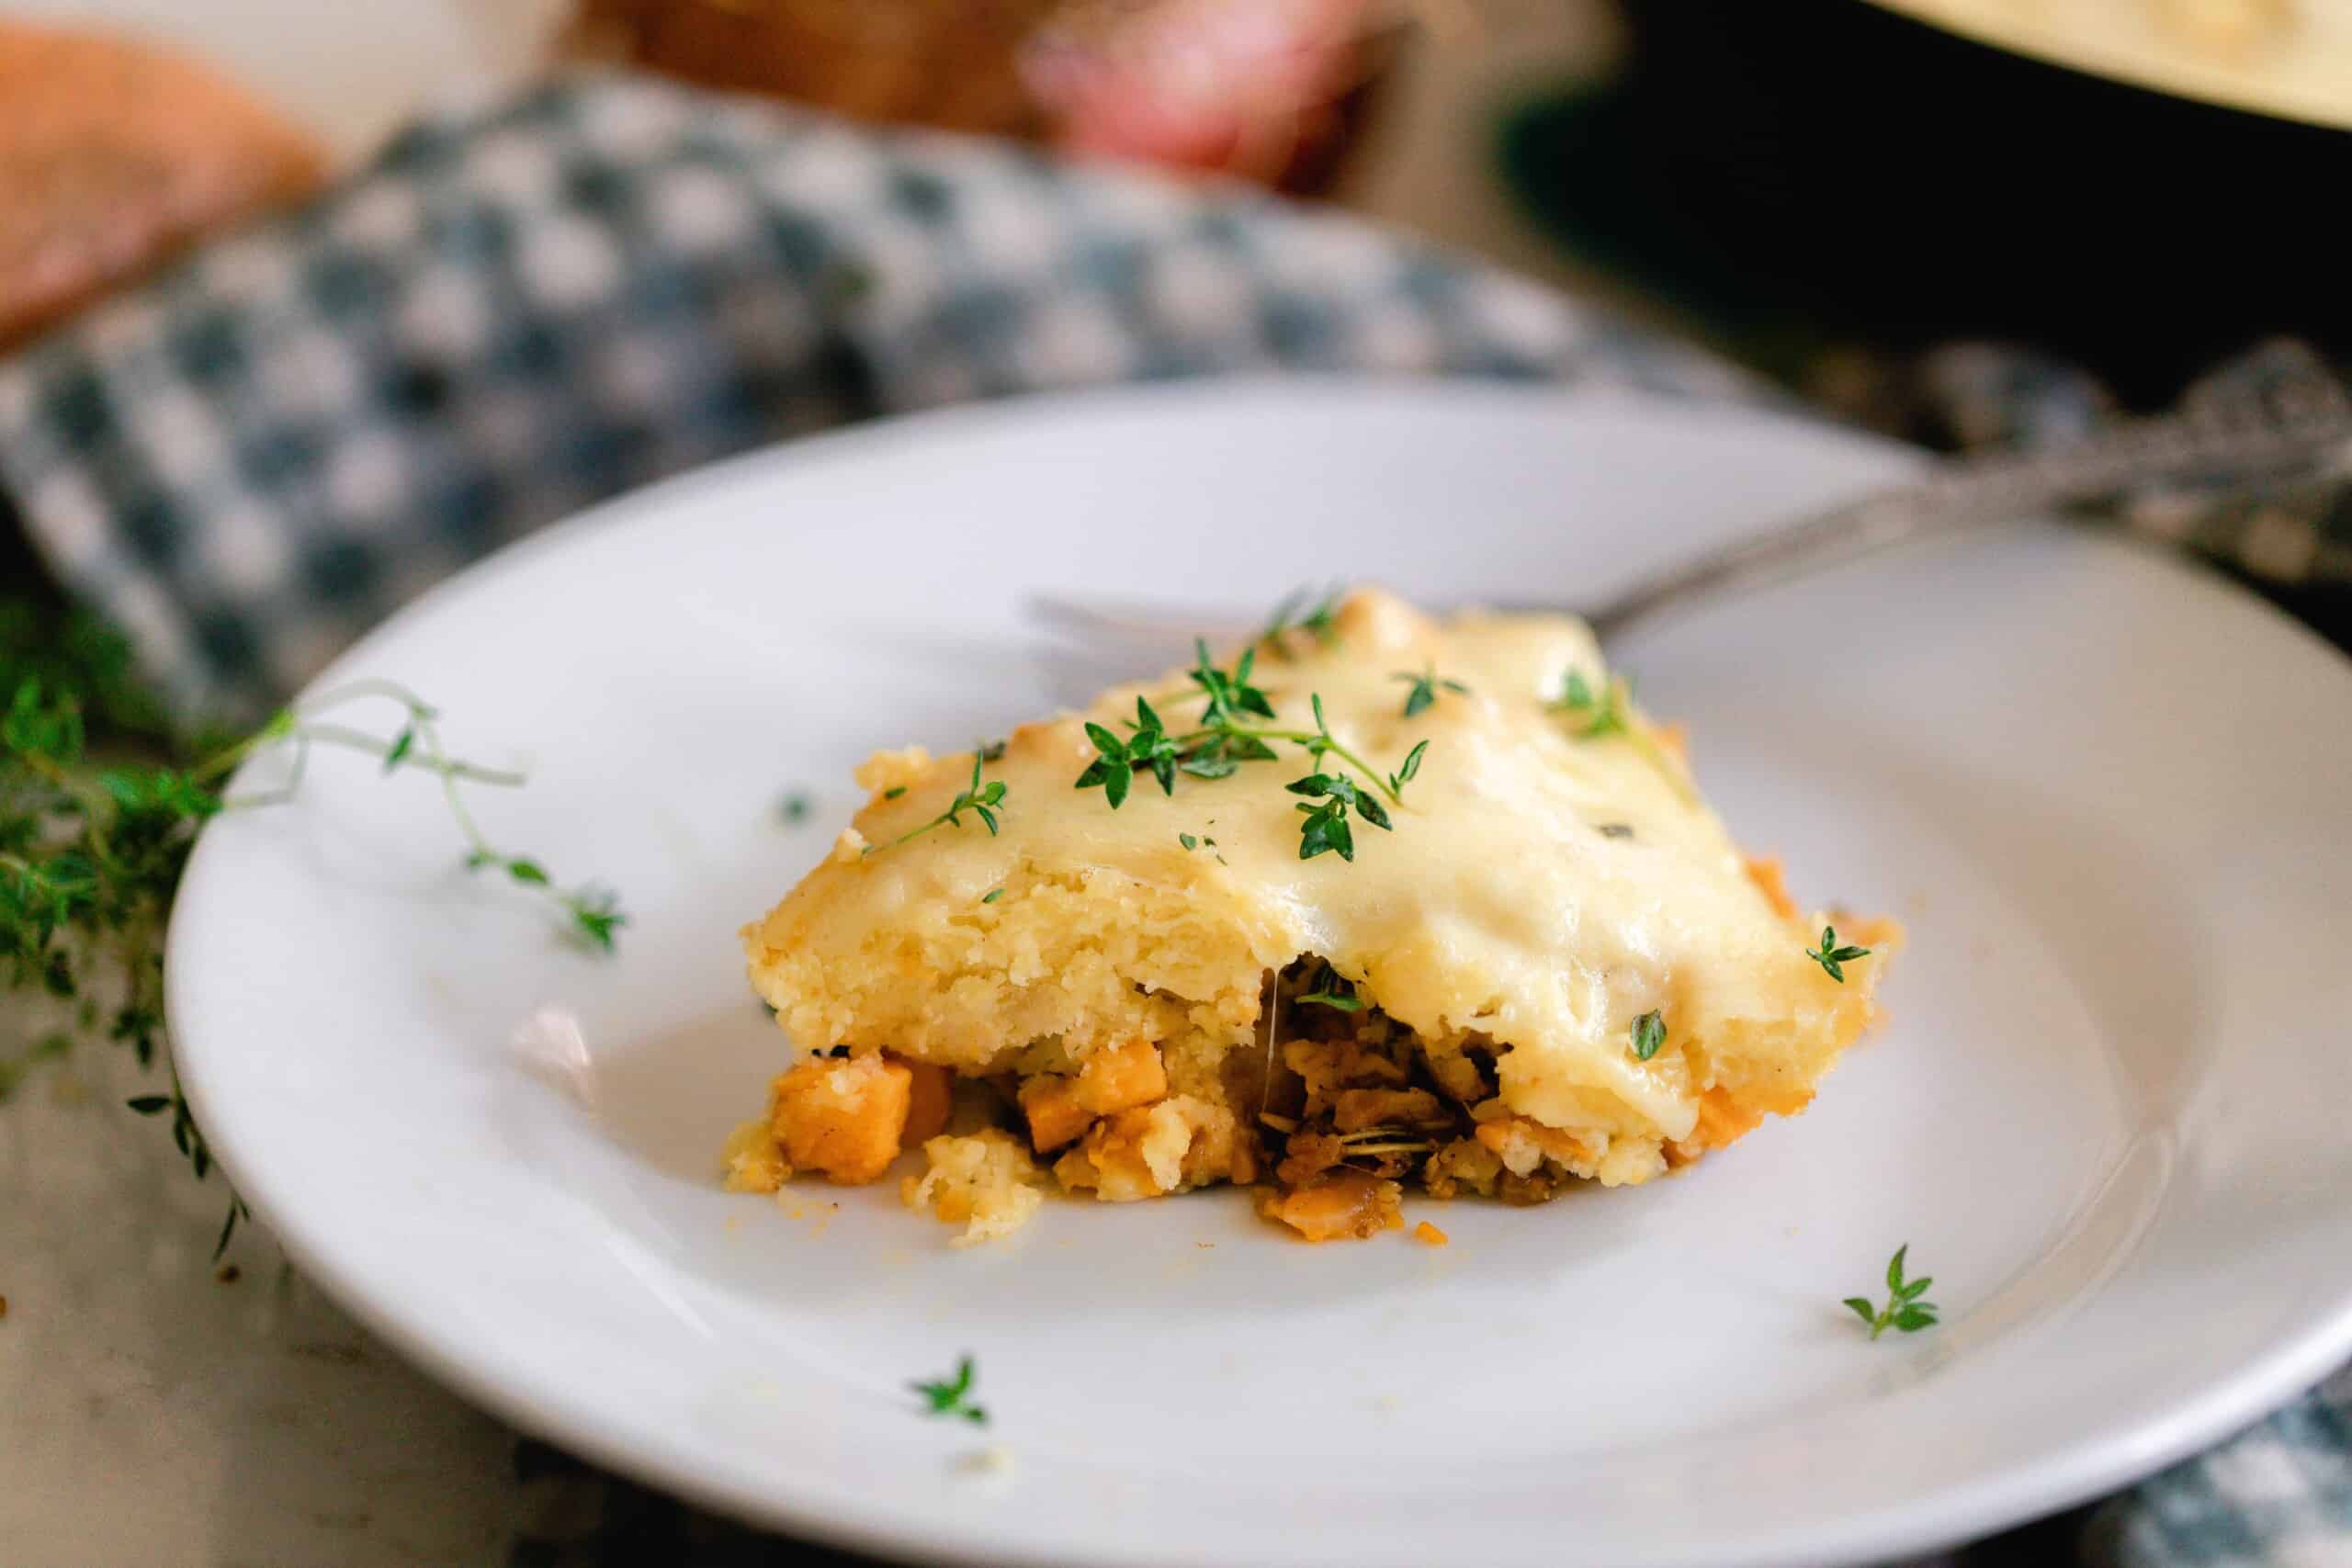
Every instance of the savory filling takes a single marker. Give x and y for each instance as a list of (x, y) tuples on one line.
[(1334, 1109)]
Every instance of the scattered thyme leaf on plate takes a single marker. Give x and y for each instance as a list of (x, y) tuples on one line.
[(951, 1397), (793, 807), (1649, 1033), (1903, 1312), (1833, 958)]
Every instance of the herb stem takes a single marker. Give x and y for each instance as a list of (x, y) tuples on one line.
[(283, 792), (1298, 737), (448, 767)]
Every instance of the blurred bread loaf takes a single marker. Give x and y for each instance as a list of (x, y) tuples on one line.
[(115, 154)]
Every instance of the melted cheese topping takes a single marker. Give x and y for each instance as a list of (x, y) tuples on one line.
[(1498, 911)]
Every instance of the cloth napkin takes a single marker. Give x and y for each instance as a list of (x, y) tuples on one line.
[(522, 305)]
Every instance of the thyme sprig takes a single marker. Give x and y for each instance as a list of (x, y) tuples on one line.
[(1609, 712), (591, 913), (983, 800), (1326, 827), (1833, 958), (101, 803), (1332, 991), (1903, 1312), (1226, 737), (1603, 712), (1320, 619)]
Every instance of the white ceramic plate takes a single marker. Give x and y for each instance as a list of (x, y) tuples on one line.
[(2106, 792)]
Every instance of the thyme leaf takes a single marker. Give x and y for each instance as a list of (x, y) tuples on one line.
[(1833, 958), (1905, 1311), (953, 1396)]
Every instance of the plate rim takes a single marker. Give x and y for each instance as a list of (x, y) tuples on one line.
[(2099, 1463)]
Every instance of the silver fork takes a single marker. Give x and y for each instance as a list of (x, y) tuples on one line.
[(2305, 427)]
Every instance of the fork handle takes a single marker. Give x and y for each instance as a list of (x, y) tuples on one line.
[(1964, 492)]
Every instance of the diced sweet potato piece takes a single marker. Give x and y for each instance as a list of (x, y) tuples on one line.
[(1119, 1079), (1122, 1077), (929, 1097), (1348, 1204), (842, 1116), (1056, 1117)]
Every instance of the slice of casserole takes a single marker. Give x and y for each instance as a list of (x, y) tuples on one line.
[(1375, 901)]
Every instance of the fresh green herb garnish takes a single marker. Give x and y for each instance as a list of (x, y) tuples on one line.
[(894, 792), (1326, 827), (1649, 1033), (1192, 843), (793, 807), (1833, 958), (1148, 748), (990, 750), (591, 913), (992, 895), (1603, 713), (1326, 987), (1610, 712), (1228, 697), (1616, 829), (1226, 739), (92, 850), (1404, 775), (1321, 619), (1425, 688), (1904, 1311), (981, 802), (951, 1397)]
